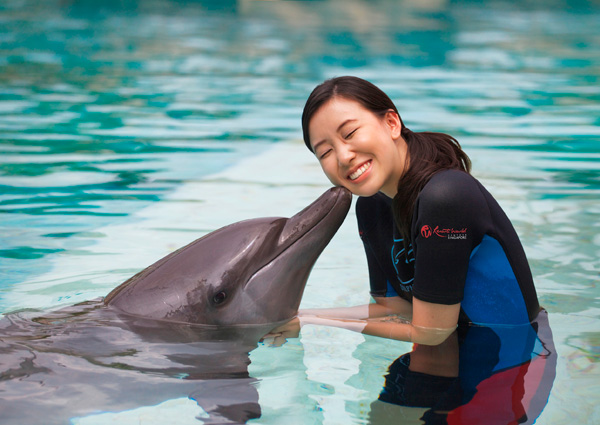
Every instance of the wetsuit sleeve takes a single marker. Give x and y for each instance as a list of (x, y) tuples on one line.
[(367, 214), (449, 222)]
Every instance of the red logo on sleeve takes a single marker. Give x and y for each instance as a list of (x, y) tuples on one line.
[(446, 233), (426, 231)]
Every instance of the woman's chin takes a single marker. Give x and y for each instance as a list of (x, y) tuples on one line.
[(362, 190)]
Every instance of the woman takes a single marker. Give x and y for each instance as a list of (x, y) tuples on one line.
[(440, 250)]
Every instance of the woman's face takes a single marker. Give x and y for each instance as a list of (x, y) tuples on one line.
[(357, 149)]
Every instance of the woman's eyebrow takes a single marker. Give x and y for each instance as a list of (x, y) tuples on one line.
[(338, 130), (344, 123), (316, 145)]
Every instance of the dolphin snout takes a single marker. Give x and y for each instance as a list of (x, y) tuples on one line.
[(333, 204)]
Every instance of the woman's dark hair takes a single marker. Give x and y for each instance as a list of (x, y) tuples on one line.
[(428, 152)]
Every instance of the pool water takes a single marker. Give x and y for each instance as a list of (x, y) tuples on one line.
[(129, 128)]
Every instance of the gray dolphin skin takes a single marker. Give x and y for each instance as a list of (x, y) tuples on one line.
[(183, 327), (251, 272)]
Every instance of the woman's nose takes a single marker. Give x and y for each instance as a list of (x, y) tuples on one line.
[(345, 155)]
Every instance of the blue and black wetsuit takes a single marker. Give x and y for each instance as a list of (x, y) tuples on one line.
[(464, 249), (505, 376)]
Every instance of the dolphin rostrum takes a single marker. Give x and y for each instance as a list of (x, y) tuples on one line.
[(182, 327)]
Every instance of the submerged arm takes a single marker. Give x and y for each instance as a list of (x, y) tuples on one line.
[(383, 306), (431, 323)]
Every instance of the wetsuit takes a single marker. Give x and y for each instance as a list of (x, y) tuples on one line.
[(505, 375), (463, 249)]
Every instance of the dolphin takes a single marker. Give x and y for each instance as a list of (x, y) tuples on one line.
[(183, 327)]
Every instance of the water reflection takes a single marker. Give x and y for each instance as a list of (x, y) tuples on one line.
[(87, 359), (488, 375)]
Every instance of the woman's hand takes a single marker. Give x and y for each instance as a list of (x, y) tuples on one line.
[(281, 333)]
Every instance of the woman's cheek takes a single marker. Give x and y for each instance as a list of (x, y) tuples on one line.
[(333, 179), (330, 172)]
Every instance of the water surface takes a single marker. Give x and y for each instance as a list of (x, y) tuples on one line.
[(129, 128)]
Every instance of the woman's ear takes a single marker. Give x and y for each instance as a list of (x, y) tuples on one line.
[(392, 119)]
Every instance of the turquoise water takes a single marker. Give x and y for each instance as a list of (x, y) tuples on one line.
[(129, 128)]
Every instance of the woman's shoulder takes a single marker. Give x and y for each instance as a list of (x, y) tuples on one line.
[(448, 179), (451, 187)]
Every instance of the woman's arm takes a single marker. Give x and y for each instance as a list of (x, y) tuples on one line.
[(383, 306), (431, 323)]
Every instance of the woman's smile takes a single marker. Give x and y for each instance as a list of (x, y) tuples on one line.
[(355, 175)]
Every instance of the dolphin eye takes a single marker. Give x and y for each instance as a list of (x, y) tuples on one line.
[(219, 297)]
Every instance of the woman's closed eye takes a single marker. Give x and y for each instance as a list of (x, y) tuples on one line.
[(349, 135), (324, 153)]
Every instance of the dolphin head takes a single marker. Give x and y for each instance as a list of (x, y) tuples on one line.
[(251, 272)]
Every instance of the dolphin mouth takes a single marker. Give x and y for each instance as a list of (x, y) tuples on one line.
[(335, 202)]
